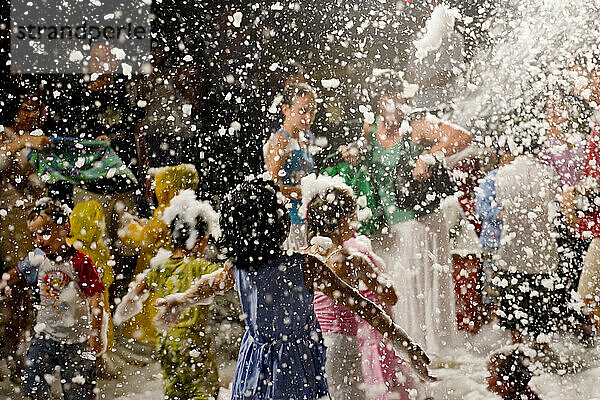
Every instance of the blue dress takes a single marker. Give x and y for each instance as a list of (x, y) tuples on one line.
[(282, 356)]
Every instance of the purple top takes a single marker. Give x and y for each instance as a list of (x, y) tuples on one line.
[(567, 161)]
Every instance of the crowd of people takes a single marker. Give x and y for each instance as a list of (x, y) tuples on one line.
[(353, 278)]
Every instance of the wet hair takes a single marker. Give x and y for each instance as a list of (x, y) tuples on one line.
[(512, 368), (57, 212), (181, 231), (295, 90), (326, 211), (254, 222), (382, 83)]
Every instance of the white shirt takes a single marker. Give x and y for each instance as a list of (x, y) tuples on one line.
[(526, 190)]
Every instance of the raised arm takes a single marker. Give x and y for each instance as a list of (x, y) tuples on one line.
[(364, 276), (318, 276), (445, 140), (133, 302), (171, 306)]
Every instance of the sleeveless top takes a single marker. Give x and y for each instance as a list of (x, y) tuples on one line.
[(403, 154), (298, 164), (334, 317), (282, 356)]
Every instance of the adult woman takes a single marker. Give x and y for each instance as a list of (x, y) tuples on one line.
[(414, 244), (287, 155)]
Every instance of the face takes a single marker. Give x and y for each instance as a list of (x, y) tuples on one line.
[(102, 60), (390, 108), (48, 236), (28, 115), (301, 113), (587, 85)]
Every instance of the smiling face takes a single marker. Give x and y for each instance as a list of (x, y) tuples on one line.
[(48, 236), (301, 113)]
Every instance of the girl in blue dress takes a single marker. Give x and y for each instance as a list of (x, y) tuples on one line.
[(282, 356)]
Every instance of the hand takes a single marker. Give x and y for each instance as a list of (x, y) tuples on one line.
[(104, 138), (421, 171), (420, 361), (169, 308), (35, 142), (350, 154)]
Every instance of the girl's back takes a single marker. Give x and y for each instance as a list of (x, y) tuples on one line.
[(281, 355)]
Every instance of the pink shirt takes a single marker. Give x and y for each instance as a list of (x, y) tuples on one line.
[(333, 317), (567, 161)]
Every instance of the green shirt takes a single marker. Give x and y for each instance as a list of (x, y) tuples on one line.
[(403, 154), (176, 276)]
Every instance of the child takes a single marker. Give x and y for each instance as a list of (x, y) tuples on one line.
[(68, 285), (87, 231), (331, 220), (509, 376), (149, 236), (287, 155), (189, 368), (282, 354)]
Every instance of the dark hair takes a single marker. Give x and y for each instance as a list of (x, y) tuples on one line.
[(383, 83), (254, 223), (324, 214), (52, 208), (512, 368), (181, 231), (292, 91)]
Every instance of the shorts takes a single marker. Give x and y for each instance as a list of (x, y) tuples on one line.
[(529, 303), (76, 371)]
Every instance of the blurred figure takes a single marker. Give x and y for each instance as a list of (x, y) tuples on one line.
[(586, 219), (526, 190), (20, 187), (490, 213)]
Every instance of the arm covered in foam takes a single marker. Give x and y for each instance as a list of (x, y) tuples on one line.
[(132, 303), (200, 293)]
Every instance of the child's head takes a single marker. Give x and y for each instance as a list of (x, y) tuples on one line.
[(48, 222), (331, 207), (509, 373), (255, 223), (191, 222), (299, 105)]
